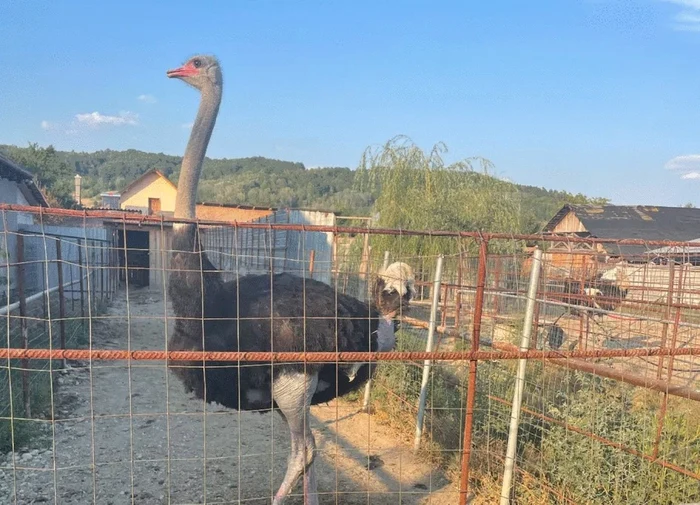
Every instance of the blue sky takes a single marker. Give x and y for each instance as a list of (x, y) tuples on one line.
[(598, 96)]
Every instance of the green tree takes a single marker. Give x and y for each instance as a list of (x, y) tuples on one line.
[(417, 190), (53, 173), (281, 183)]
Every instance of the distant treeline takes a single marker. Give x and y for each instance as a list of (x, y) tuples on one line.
[(254, 181)]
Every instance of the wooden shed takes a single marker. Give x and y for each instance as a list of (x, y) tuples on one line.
[(645, 222)]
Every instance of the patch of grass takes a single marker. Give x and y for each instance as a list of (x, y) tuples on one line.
[(553, 461), (16, 427)]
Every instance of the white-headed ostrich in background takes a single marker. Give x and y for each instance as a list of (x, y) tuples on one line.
[(279, 313)]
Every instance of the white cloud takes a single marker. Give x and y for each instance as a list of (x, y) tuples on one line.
[(45, 125), (147, 98), (187, 126), (691, 4), (685, 163), (97, 119), (688, 19), (688, 166)]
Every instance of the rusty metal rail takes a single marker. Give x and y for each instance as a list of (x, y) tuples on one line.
[(144, 219), (332, 357)]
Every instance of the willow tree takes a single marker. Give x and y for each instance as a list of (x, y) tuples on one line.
[(416, 190)]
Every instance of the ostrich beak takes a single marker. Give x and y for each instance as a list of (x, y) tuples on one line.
[(184, 71)]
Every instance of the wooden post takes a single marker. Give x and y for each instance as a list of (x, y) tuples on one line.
[(23, 326), (312, 258), (61, 299), (80, 283)]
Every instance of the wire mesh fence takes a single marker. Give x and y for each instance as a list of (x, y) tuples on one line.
[(55, 279), (609, 410)]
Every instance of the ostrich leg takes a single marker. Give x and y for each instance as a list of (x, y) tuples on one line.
[(292, 393)]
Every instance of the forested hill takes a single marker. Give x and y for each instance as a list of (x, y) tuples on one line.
[(252, 181)]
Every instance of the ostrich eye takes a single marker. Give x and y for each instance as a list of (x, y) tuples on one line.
[(197, 63)]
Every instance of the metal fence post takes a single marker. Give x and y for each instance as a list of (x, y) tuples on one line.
[(471, 384), (102, 271), (458, 296), (520, 378), (368, 386), (80, 283), (667, 313), (445, 294), (61, 299), (23, 325), (429, 348)]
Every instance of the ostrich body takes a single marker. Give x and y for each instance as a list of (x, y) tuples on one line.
[(278, 313), (597, 294)]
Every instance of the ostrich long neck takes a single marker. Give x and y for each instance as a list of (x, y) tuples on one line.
[(193, 278), (185, 202)]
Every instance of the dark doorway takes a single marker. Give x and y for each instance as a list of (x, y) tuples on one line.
[(135, 262)]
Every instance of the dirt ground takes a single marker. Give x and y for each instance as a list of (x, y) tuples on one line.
[(130, 435)]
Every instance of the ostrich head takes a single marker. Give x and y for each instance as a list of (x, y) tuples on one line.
[(201, 72), (204, 74), (394, 289)]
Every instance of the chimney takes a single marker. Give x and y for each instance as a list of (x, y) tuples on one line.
[(78, 193)]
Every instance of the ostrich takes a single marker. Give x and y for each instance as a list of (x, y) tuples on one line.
[(280, 312), (596, 296), (600, 293)]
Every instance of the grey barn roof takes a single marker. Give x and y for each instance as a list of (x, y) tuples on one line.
[(25, 180), (645, 222)]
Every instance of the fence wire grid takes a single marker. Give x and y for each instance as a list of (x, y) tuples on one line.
[(609, 412)]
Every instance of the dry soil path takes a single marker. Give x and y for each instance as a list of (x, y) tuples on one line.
[(130, 435)]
